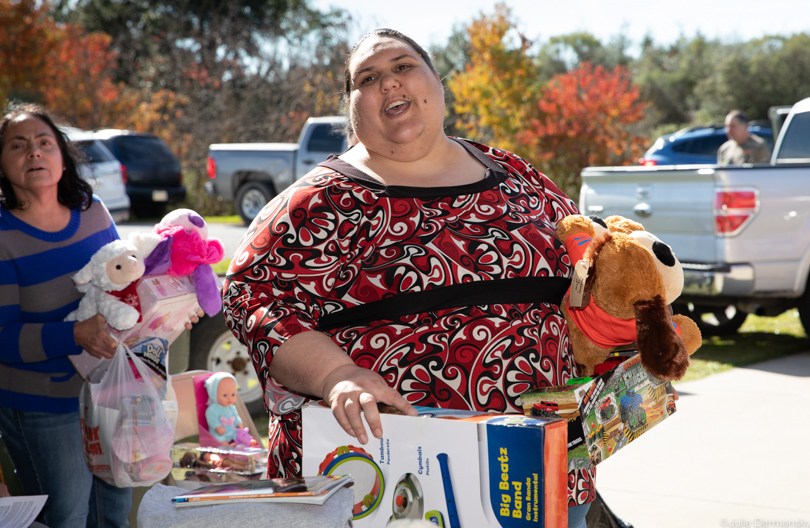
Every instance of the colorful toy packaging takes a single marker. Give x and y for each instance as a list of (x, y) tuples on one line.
[(605, 413), (168, 280), (167, 303), (453, 468), (195, 466)]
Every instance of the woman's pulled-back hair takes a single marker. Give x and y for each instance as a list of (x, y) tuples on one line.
[(382, 32)]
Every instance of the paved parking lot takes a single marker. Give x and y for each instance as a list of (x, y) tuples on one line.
[(734, 454)]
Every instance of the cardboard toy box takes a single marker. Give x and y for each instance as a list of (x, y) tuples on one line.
[(166, 302), (606, 413), (454, 468)]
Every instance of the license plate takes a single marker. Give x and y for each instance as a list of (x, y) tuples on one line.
[(160, 196)]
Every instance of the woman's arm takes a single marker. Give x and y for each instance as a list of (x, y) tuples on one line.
[(311, 363)]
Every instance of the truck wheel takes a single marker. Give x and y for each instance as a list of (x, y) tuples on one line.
[(713, 320), (213, 347), (804, 311), (250, 198)]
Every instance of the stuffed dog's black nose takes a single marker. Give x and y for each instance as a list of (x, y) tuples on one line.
[(663, 253)]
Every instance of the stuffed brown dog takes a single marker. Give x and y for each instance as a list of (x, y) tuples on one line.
[(630, 281)]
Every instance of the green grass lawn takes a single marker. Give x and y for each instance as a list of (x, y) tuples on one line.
[(221, 267), (759, 339), (233, 219)]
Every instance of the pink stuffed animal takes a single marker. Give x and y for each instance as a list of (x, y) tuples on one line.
[(186, 249)]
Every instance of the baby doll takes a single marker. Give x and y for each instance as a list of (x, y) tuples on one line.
[(223, 420)]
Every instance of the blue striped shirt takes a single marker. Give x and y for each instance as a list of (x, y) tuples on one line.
[(36, 293)]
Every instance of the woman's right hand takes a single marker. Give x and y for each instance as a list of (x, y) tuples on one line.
[(349, 389), (92, 335)]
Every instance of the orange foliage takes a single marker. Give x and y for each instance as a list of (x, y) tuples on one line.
[(157, 112), (495, 93), (586, 119), (81, 88), (57, 65), (26, 40)]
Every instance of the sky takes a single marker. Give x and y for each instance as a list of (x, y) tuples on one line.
[(430, 22)]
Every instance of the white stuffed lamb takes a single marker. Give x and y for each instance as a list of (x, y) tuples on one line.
[(111, 269)]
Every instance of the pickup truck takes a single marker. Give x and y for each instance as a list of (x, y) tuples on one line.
[(742, 233), (250, 174)]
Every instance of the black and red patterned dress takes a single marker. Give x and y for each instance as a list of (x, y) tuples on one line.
[(451, 294)]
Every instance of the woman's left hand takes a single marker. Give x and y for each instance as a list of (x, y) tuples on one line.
[(352, 392)]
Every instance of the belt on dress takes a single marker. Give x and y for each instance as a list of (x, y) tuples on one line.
[(517, 290)]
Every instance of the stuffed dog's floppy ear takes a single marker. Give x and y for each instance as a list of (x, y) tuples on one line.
[(591, 255), (662, 350)]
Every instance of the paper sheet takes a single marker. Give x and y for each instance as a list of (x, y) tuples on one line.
[(20, 512)]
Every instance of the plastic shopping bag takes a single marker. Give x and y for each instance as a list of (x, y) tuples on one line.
[(128, 416)]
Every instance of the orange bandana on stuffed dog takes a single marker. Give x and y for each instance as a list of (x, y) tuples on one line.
[(603, 329)]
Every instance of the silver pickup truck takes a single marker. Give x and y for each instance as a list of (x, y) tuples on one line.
[(250, 174), (742, 233)]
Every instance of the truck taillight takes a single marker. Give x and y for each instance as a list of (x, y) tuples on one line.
[(124, 175), (647, 163), (733, 208), (211, 168)]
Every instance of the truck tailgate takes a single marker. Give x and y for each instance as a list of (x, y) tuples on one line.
[(673, 202)]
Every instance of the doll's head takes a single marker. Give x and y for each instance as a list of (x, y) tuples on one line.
[(221, 388)]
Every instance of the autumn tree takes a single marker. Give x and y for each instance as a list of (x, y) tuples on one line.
[(80, 84), (494, 96), (449, 60), (586, 118), (26, 39), (55, 64), (218, 71)]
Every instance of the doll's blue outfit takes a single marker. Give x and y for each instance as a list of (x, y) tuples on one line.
[(220, 415)]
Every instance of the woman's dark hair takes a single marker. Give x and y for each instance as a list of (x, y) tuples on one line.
[(383, 32), (72, 191)]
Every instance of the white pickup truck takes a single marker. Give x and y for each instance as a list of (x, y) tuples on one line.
[(742, 233), (250, 174)]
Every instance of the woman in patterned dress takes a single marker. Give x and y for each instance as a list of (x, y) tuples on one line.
[(413, 269)]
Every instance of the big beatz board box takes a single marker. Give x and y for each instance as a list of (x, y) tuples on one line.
[(606, 413), (454, 468)]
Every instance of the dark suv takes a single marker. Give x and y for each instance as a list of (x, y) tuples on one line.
[(695, 145), (151, 171)]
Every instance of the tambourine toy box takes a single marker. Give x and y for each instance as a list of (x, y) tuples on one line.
[(606, 413), (452, 468)]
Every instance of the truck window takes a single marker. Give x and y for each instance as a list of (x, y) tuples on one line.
[(796, 143), (325, 138)]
